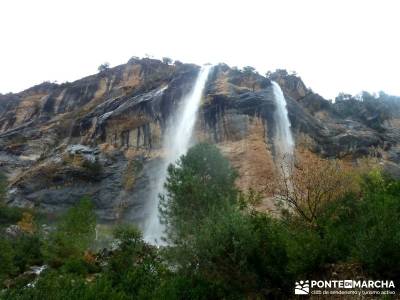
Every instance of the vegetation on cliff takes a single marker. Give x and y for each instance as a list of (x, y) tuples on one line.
[(220, 247), (59, 143)]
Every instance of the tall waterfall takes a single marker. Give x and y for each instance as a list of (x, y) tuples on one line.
[(176, 143), (284, 143)]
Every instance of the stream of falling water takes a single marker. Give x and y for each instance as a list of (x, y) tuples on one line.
[(176, 143), (284, 143)]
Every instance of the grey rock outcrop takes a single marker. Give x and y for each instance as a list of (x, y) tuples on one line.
[(102, 135)]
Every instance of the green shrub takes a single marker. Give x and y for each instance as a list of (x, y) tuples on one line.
[(73, 235), (94, 169), (77, 265), (135, 267), (53, 285), (222, 248), (356, 228), (9, 215), (7, 267), (181, 286), (27, 251), (378, 240)]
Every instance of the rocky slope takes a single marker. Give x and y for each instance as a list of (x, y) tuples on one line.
[(102, 135)]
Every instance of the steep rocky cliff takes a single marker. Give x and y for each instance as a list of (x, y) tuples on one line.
[(102, 135)]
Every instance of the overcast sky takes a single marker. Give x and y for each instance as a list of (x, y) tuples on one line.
[(333, 45)]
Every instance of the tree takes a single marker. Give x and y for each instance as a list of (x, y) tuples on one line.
[(133, 59), (167, 60), (306, 185), (74, 233), (241, 254), (220, 248), (377, 226), (7, 266), (249, 70), (202, 182), (135, 266), (103, 67), (343, 97)]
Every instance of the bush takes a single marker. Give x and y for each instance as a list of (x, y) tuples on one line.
[(180, 286), (27, 251), (74, 234), (135, 267), (378, 239), (78, 265), (243, 255), (223, 249), (355, 228), (7, 267), (94, 169), (310, 249), (9, 215), (53, 285), (219, 249)]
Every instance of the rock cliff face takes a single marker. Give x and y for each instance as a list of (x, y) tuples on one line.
[(102, 135)]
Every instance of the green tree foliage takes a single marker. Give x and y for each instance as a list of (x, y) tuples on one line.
[(3, 188), (240, 254), (222, 248), (378, 239), (53, 285), (74, 233), (219, 249), (93, 169), (167, 60), (355, 228), (371, 109), (27, 251), (248, 70), (135, 267), (103, 67), (7, 266), (201, 183), (9, 215), (19, 249), (17, 254)]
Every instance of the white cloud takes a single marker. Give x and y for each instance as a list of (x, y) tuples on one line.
[(334, 45)]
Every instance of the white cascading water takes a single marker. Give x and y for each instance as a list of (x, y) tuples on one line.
[(176, 143), (284, 143)]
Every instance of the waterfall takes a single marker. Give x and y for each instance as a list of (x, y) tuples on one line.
[(176, 143), (284, 143)]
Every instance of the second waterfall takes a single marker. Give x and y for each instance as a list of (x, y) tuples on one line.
[(176, 143)]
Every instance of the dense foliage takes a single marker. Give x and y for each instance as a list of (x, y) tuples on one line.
[(219, 246), (372, 110), (200, 185)]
